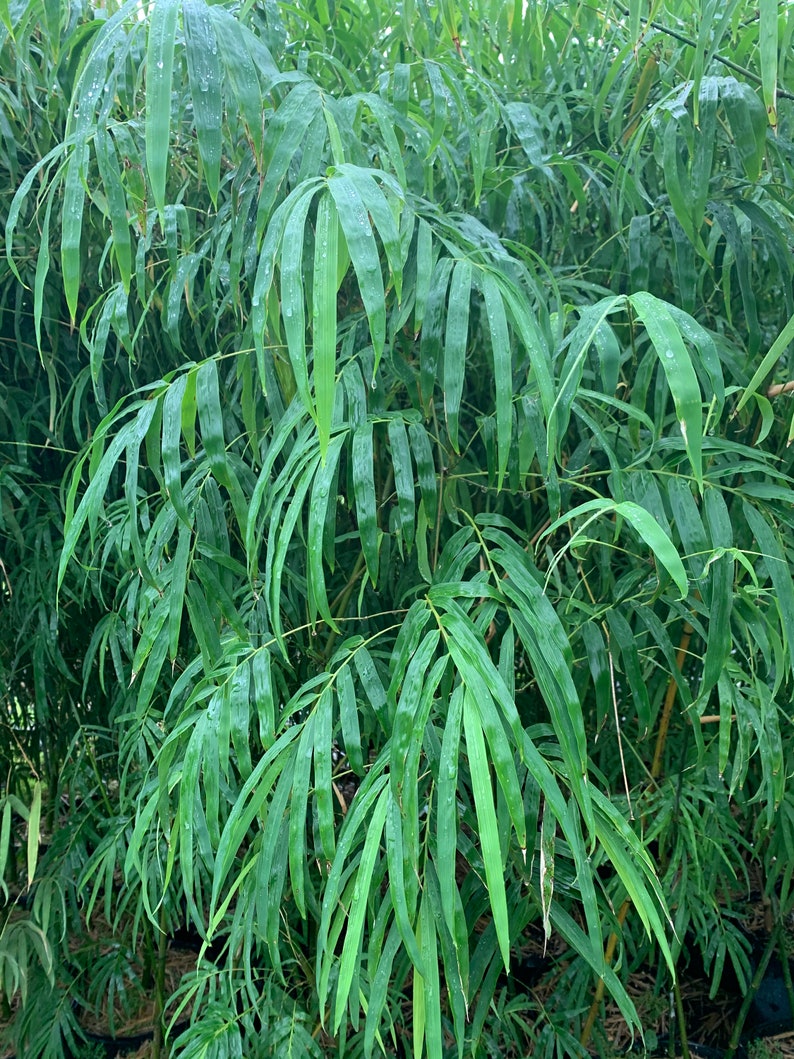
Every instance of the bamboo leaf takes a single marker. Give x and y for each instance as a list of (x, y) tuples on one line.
[(293, 295), (357, 229), (681, 378), (447, 804), (748, 121), (503, 370), (351, 952), (72, 226), (455, 342), (364, 492), (487, 825), (159, 78), (779, 572), (321, 499), (431, 984), (110, 174), (403, 478), (324, 287), (204, 73), (34, 832), (322, 772)]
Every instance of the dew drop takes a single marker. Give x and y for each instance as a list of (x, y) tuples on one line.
[(160, 64)]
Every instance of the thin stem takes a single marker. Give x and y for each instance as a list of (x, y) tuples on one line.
[(679, 1015)]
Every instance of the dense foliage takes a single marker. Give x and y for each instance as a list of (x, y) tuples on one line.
[(396, 513)]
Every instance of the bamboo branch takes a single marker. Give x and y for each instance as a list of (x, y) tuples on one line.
[(729, 63), (780, 387)]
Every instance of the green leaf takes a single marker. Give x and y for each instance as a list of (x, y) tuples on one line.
[(159, 78), (455, 342), (403, 478), (293, 296), (503, 370), (486, 823), (358, 906), (318, 512), (720, 590), (324, 287), (72, 226), (172, 456), (430, 983), (681, 378), (34, 829), (323, 766), (204, 73), (129, 435), (748, 121), (110, 174), (779, 572), (357, 230), (364, 492), (447, 803)]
